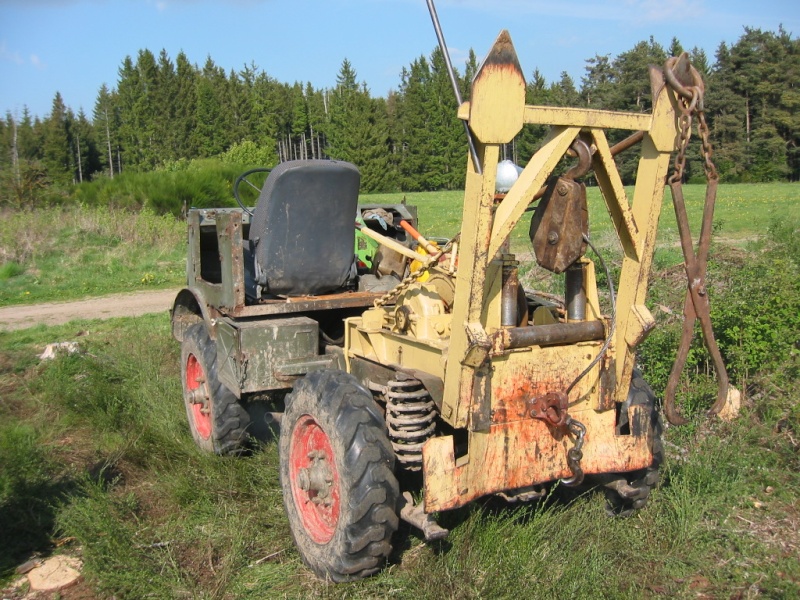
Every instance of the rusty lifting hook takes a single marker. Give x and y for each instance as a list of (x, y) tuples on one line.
[(584, 153), (687, 84)]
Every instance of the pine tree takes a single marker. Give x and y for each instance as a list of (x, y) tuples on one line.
[(136, 93), (598, 84), (564, 93), (128, 93), (528, 140), (632, 89), (345, 111), (185, 113), (146, 111), (675, 48), (29, 144), (263, 121), (448, 137), (57, 155), (164, 93), (211, 135), (414, 118), (359, 130), (317, 120), (106, 127), (470, 70), (84, 148), (726, 118)]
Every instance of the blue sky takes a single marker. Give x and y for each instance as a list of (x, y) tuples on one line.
[(74, 46)]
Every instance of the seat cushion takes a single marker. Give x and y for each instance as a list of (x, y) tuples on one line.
[(303, 229)]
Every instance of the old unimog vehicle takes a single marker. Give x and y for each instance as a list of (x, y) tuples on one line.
[(425, 361)]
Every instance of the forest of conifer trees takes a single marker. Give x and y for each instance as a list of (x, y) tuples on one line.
[(164, 111)]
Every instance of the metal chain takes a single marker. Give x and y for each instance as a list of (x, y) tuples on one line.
[(685, 135), (575, 454), (413, 276), (708, 164), (399, 288), (696, 304)]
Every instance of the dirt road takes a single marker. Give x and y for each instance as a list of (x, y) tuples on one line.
[(103, 307)]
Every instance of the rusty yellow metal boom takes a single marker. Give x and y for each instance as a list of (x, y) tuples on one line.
[(491, 372)]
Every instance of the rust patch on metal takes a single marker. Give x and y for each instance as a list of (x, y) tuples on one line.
[(550, 408), (503, 54), (525, 453), (512, 391)]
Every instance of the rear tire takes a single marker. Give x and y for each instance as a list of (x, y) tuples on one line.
[(216, 419), (337, 475), (628, 492)]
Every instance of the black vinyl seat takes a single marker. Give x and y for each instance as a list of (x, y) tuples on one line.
[(302, 232)]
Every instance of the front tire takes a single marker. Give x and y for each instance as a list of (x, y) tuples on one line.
[(337, 474), (216, 419)]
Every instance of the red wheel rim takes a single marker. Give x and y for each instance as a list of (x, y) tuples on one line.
[(195, 384), (314, 479)]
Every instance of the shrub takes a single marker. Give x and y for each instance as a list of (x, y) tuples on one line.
[(755, 309), (10, 269), (171, 190), (249, 154)]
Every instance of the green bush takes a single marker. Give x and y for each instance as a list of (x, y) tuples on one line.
[(171, 190), (755, 310), (249, 154), (10, 269)]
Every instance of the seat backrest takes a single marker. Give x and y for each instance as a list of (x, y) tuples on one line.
[(303, 229)]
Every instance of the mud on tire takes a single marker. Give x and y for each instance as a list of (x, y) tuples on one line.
[(216, 419), (337, 474)]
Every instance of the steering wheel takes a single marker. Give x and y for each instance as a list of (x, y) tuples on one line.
[(243, 178)]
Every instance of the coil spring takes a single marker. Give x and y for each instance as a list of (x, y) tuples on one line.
[(410, 419)]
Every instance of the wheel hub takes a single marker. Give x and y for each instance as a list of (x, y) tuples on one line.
[(317, 479), (314, 479), (197, 396)]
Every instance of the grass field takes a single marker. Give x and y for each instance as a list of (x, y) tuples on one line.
[(742, 211), (73, 252), (95, 450), (96, 458)]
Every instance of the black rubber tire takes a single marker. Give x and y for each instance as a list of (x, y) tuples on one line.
[(223, 429), (628, 492), (359, 541)]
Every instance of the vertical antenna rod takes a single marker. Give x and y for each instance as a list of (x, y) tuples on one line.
[(440, 36)]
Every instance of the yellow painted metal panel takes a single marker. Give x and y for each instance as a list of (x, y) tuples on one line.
[(498, 95), (473, 259), (583, 117), (517, 451), (610, 183)]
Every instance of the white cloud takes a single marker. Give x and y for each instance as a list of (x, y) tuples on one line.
[(16, 58), (7, 55)]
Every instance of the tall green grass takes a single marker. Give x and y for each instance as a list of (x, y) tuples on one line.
[(64, 253)]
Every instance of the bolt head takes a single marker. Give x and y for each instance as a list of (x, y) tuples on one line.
[(304, 479)]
